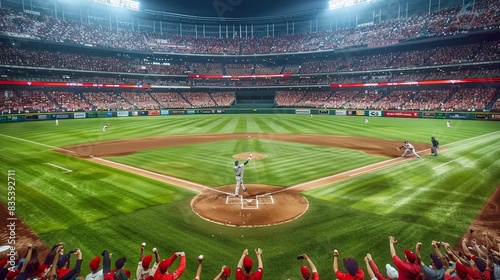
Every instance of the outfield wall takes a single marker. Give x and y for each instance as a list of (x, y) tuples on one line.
[(334, 112)]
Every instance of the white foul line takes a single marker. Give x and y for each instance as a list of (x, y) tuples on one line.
[(40, 144), (57, 166), (442, 164), (159, 175)]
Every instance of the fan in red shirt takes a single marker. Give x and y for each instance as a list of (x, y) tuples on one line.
[(353, 270)]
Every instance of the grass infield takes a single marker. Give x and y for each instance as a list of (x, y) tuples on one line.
[(96, 207)]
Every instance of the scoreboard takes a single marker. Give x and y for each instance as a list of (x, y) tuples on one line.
[(127, 4)]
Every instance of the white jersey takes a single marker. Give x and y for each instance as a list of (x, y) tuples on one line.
[(95, 276), (238, 169), (408, 146)]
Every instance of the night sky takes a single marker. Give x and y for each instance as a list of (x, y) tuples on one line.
[(234, 8)]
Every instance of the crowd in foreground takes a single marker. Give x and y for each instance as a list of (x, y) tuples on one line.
[(477, 258)]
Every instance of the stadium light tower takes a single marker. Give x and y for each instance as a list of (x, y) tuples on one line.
[(339, 4)]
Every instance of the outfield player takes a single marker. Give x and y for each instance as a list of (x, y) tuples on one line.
[(105, 128), (409, 148), (366, 121), (238, 169), (448, 123)]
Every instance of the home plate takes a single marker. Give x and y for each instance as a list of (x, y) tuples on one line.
[(250, 204)]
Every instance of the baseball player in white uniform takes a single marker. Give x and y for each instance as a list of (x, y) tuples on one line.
[(238, 169), (409, 148), (105, 128)]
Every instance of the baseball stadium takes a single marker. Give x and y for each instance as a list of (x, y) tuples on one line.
[(363, 127)]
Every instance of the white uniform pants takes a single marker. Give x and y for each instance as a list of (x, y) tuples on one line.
[(412, 151), (239, 183)]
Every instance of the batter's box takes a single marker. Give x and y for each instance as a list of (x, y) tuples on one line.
[(231, 199), (265, 199)]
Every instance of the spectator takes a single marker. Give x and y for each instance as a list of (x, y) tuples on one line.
[(353, 270), (306, 273), (95, 272), (247, 263), (392, 273), (119, 273), (436, 272), (408, 269), (224, 273), (162, 271), (143, 268), (22, 273), (198, 271), (63, 270)]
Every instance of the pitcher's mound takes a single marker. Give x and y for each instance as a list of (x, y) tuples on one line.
[(258, 206), (244, 156)]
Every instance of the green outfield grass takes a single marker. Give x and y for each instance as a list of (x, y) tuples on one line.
[(96, 207)]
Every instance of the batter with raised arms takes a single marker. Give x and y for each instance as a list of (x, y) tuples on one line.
[(238, 169)]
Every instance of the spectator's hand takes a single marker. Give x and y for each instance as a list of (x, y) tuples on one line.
[(465, 240), (258, 252), (335, 253), (245, 252), (418, 246), (392, 240), (369, 256)]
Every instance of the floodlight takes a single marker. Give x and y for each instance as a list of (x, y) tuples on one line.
[(339, 4)]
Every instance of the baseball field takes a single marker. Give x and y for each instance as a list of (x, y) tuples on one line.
[(167, 181)]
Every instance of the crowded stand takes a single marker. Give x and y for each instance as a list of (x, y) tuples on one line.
[(68, 101), (428, 99), (106, 101), (470, 98), (223, 99), (140, 100), (447, 21), (198, 99), (25, 101), (413, 98), (170, 100), (447, 55)]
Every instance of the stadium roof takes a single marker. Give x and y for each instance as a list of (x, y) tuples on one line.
[(234, 8)]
